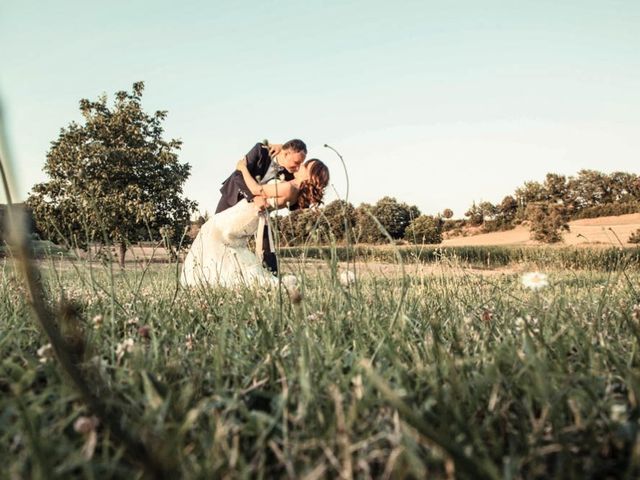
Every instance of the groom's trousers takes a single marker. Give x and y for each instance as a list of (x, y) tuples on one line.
[(269, 259)]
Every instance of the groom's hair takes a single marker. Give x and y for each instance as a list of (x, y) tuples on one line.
[(296, 145)]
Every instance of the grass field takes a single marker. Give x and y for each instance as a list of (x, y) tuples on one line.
[(441, 374)]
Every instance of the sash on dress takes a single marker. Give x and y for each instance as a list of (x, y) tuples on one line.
[(263, 221)]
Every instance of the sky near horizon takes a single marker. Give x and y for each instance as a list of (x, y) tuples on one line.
[(435, 103)]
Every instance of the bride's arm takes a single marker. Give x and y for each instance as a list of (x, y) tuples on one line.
[(281, 193), (254, 187)]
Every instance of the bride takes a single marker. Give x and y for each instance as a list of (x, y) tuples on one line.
[(220, 255)]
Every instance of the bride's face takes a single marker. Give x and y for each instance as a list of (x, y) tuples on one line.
[(304, 172)]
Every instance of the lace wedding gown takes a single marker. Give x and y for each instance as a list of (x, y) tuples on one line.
[(220, 255)]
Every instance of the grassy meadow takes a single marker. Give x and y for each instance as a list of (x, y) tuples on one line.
[(441, 374)]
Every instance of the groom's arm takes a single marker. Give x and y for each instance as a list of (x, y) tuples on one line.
[(258, 160), (235, 187)]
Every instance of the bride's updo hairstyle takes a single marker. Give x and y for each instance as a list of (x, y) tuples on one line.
[(312, 190)]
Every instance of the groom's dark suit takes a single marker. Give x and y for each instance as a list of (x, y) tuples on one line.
[(235, 189)]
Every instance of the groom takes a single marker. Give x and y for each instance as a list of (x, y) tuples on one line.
[(264, 163)]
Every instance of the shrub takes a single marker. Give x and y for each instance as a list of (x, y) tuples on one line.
[(394, 217), (475, 215), (424, 229), (497, 225), (299, 226), (548, 220), (450, 225), (635, 237), (335, 219)]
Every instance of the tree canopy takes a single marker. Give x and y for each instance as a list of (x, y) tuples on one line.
[(113, 178)]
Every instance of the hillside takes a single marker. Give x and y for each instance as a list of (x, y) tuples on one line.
[(587, 232)]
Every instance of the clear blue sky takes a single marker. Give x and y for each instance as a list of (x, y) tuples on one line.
[(435, 103)]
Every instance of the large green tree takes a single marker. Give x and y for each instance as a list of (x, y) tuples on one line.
[(113, 178)]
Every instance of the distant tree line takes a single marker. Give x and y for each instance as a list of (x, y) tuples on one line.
[(387, 219), (546, 207)]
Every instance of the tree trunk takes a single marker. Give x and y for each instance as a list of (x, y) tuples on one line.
[(122, 250)]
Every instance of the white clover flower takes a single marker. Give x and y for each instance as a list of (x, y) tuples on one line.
[(45, 353), (358, 388), (535, 280), (346, 278), (618, 412), (124, 347), (188, 343), (315, 316), (97, 321), (85, 425), (289, 281), (133, 321)]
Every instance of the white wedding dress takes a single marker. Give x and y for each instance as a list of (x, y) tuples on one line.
[(220, 254)]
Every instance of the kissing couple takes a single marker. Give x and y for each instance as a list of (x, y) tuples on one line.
[(269, 177)]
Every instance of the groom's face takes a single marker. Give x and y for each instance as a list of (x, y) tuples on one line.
[(292, 160)]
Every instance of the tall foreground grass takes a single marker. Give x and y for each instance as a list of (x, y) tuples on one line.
[(468, 376)]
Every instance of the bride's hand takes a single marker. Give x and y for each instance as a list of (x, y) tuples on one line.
[(275, 149), (242, 164), (260, 202)]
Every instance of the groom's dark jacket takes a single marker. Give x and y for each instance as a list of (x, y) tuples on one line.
[(235, 189)]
